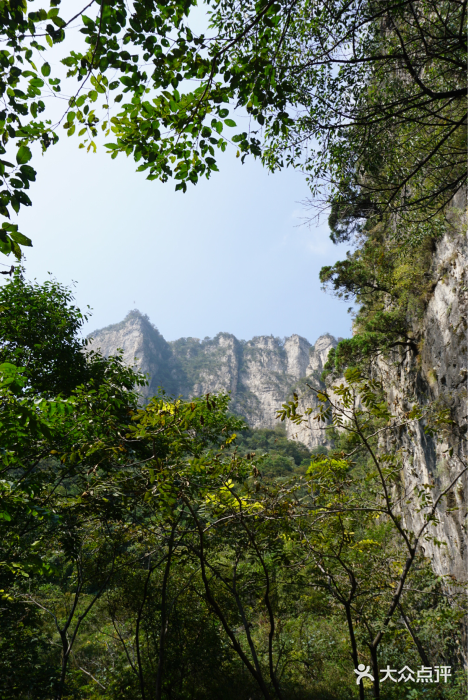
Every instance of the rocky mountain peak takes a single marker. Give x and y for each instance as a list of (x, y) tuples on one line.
[(260, 373)]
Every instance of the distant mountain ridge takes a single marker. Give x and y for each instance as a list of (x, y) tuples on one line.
[(260, 373)]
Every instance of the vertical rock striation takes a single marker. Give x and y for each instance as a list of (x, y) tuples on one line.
[(437, 376), (260, 374)]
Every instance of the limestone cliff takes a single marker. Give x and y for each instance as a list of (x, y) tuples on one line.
[(260, 373), (437, 375)]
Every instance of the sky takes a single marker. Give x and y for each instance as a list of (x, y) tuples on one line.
[(229, 255)]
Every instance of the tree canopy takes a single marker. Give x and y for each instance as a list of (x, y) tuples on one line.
[(368, 98)]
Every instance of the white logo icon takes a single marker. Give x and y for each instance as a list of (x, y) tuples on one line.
[(362, 671), (426, 674)]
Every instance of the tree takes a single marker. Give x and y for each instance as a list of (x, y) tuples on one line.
[(53, 400), (39, 328), (143, 556), (84, 471), (111, 30), (391, 287), (332, 88), (350, 553)]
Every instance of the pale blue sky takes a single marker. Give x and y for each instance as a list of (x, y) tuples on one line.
[(226, 256)]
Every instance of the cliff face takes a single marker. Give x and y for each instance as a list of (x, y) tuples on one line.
[(261, 373), (142, 345), (437, 377)]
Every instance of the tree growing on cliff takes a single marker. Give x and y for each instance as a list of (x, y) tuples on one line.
[(362, 549)]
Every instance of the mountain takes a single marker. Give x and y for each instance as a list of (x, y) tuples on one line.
[(260, 373), (436, 376)]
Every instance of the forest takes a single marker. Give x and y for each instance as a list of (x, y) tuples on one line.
[(165, 550)]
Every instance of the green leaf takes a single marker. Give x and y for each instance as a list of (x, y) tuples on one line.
[(24, 155), (21, 238), (59, 22), (45, 70), (230, 122), (16, 250), (28, 172), (5, 244)]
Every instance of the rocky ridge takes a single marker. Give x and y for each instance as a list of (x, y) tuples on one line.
[(260, 373)]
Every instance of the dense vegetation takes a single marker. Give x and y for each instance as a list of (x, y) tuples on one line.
[(168, 551), (171, 552), (280, 457)]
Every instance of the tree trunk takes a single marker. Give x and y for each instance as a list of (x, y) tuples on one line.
[(162, 634)]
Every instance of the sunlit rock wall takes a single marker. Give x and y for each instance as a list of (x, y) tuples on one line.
[(437, 377), (260, 374)]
